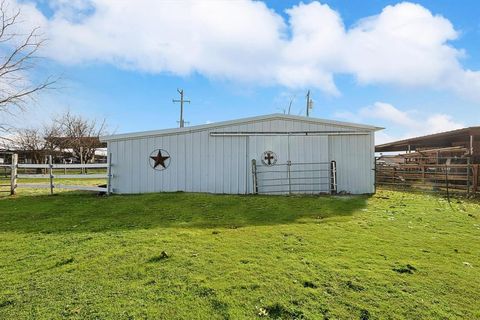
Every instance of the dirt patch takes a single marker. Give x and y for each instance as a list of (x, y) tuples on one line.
[(355, 287), (162, 256), (64, 262), (408, 269), (277, 311), (6, 303), (309, 284), (364, 314)]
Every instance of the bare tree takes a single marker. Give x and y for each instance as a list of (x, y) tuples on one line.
[(79, 134), (67, 134), (31, 141), (17, 59), (36, 143)]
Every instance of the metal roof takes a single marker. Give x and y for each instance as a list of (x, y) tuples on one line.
[(442, 139), (275, 116)]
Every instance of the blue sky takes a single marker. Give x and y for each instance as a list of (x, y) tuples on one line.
[(104, 80)]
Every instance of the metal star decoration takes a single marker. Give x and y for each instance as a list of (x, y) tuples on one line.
[(159, 159)]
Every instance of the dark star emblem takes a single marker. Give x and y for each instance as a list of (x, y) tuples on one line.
[(161, 159)]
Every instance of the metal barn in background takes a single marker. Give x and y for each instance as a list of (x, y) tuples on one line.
[(272, 154), (444, 161)]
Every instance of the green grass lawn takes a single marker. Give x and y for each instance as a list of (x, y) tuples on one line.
[(196, 256)]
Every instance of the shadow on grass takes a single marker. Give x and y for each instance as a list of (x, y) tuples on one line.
[(88, 212)]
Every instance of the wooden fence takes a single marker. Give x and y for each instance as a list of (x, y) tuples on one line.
[(54, 173), (434, 177), (5, 180)]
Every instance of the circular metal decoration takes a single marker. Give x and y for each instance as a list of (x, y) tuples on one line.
[(159, 159), (269, 158)]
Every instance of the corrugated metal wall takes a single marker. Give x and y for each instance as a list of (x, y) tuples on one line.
[(221, 164), (355, 157)]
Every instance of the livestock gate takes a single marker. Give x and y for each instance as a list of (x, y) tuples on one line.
[(294, 178)]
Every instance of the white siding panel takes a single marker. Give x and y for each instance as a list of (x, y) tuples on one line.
[(113, 151), (204, 162), (149, 178), (135, 169), (354, 158)]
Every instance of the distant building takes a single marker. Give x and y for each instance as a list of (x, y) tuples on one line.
[(443, 161), (63, 150), (462, 143)]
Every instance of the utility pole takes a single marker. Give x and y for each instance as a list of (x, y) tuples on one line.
[(180, 91), (309, 103)]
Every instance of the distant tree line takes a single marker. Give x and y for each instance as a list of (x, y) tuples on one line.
[(68, 132)]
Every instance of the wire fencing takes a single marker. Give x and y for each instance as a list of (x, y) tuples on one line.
[(436, 175)]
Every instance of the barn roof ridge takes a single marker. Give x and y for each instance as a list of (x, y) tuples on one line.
[(273, 116)]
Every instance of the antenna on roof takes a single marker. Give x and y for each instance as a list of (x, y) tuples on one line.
[(288, 109), (180, 91)]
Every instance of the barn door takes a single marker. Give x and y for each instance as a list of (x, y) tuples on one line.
[(270, 152), (309, 168), (290, 164)]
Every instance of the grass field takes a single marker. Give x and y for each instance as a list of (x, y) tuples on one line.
[(196, 256)]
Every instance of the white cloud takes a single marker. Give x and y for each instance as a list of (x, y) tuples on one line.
[(401, 124), (415, 123), (404, 45), (311, 55), (236, 41), (440, 122), (385, 111), (383, 137)]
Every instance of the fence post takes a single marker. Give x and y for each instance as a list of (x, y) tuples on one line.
[(423, 175), (13, 174), (109, 174), (333, 177), (446, 181), (50, 171), (81, 159), (254, 176), (468, 175), (475, 178), (289, 164)]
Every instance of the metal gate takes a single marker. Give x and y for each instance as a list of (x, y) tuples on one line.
[(295, 178)]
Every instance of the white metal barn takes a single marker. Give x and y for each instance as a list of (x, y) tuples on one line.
[(272, 154)]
